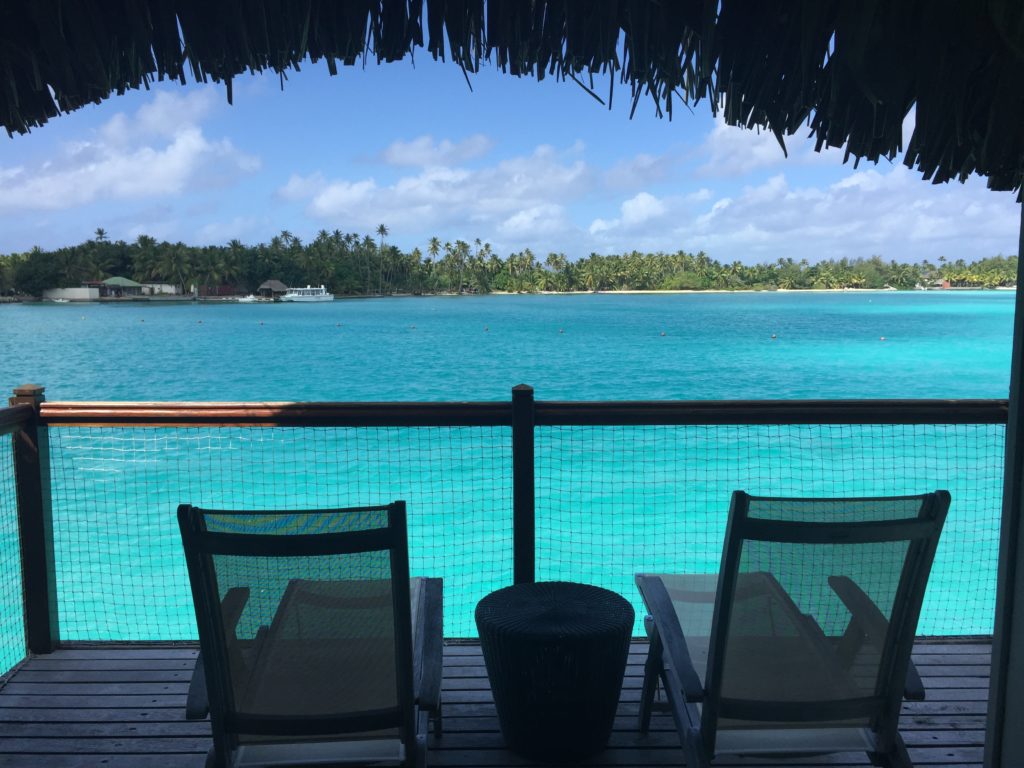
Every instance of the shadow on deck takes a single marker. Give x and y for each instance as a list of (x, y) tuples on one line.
[(123, 707)]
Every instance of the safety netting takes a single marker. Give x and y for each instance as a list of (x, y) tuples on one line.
[(12, 619), (615, 501), (115, 490), (610, 502)]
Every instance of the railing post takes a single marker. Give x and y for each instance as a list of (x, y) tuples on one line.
[(1004, 742), (35, 525), (523, 521)]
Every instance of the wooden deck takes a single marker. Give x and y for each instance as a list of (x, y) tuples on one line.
[(120, 707)]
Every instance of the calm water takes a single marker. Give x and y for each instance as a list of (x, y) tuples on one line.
[(610, 501), (568, 347)]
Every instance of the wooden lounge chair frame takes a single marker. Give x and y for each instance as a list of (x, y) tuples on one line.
[(418, 648), (697, 707)]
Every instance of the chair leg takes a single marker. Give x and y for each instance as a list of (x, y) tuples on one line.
[(693, 750), (652, 673), (438, 724), (896, 757), (420, 760)]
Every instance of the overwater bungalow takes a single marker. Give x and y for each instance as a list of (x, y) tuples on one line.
[(99, 636), (271, 289)]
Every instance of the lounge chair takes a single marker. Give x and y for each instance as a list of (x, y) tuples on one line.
[(801, 643), (315, 645)]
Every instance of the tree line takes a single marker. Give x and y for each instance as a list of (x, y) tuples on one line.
[(367, 265)]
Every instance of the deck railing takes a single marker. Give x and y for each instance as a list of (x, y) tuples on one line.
[(497, 492), (16, 449)]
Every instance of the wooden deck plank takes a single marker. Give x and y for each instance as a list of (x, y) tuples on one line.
[(122, 707)]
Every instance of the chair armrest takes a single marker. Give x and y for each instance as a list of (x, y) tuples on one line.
[(197, 705), (670, 633), (913, 690), (232, 607), (874, 626), (428, 646)]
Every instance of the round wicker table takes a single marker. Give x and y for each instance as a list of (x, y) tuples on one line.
[(555, 655)]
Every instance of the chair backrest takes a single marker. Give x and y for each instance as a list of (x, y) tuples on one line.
[(816, 610), (304, 623)]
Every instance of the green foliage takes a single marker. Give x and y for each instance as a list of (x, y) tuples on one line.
[(350, 264)]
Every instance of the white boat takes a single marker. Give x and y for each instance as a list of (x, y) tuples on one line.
[(246, 299), (309, 293)]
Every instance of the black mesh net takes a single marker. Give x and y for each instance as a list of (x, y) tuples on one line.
[(316, 636), (12, 624), (120, 570), (611, 502), (789, 633), (615, 501)]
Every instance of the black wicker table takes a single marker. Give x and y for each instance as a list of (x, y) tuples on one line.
[(555, 654)]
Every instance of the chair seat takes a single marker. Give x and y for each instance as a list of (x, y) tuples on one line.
[(793, 659)]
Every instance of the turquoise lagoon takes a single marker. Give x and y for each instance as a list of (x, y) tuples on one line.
[(610, 501), (580, 347)]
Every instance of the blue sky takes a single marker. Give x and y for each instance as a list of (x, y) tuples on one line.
[(515, 162)]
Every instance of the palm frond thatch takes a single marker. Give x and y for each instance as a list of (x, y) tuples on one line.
[(848, 72)]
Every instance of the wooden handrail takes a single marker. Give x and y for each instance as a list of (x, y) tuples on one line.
[(104, 414), (707, 412), (549, 413)]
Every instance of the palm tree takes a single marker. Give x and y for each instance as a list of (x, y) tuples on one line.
[(382, 232), (593, 273), (144, 264), (101, 235), (175, 264), (556, 263)]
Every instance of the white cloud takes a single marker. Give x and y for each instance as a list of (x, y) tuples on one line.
[(541, 199), (515, 197), (302, 187), (869, 212), (732, 151), (547, 219), (10, 174), (159, 151), (341, 196), (883, 210), (641, 209), (424, 151), (639, 171)]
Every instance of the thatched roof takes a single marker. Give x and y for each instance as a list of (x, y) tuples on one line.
[(273, 285), (122, 282), (852, 68)]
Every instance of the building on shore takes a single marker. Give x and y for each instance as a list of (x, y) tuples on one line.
[(116, 287), (160, 289), (111, 288), (271, 289), (88, 292)]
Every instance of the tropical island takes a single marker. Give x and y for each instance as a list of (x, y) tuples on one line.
[(363, 265)]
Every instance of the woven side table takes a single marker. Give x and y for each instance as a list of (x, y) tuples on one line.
[(555, 655)]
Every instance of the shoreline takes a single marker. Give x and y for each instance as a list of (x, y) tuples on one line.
[(611, 292)]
